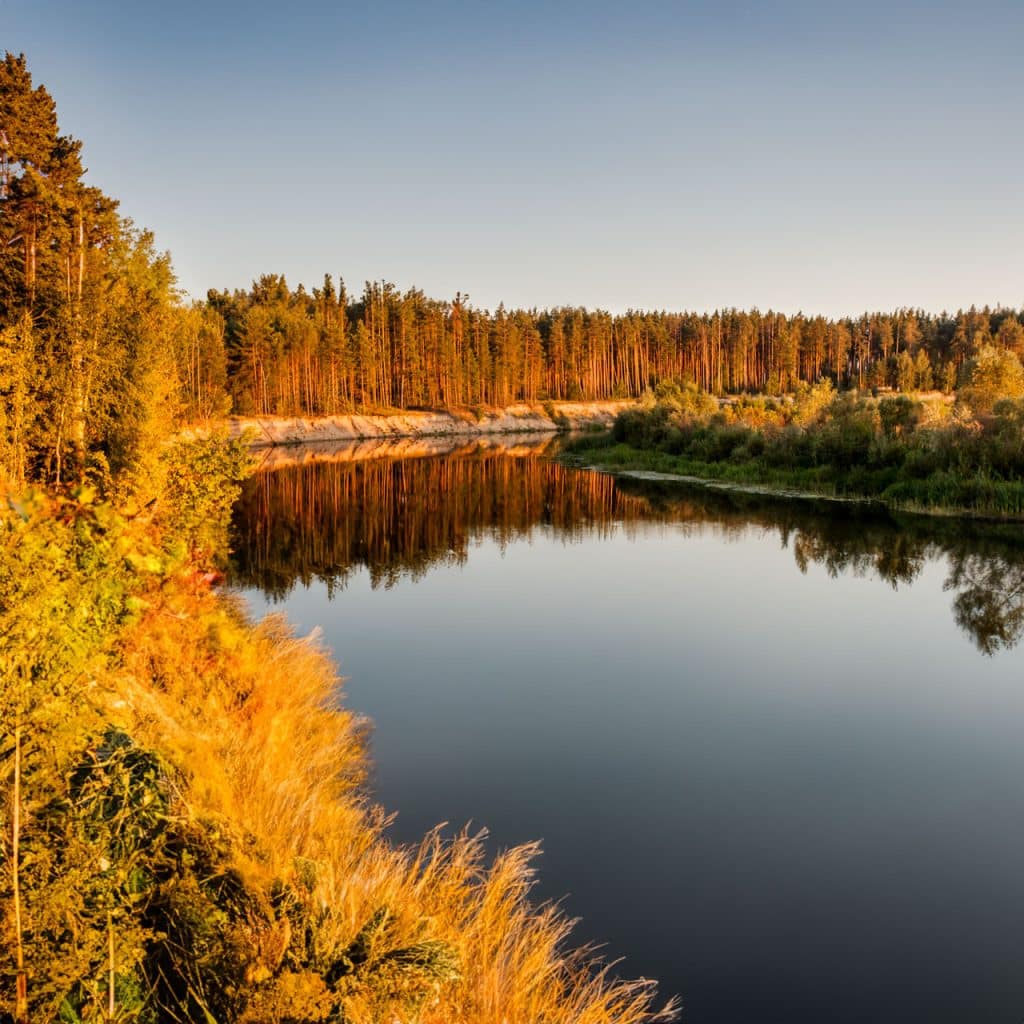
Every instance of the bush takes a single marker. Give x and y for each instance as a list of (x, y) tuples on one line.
[(202, 484), (993, 374), (899, 415), (811, 401), (897, 447), (685, 399)]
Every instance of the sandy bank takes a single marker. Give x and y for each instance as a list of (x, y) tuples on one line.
[(267, 431)]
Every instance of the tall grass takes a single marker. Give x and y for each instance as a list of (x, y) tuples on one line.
[(198, 843), (251, 715)]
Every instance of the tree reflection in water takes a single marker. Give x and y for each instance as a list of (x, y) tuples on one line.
[(399, 510), (989, 602)]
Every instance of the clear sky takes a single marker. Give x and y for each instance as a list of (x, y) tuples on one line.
[(824, 156)]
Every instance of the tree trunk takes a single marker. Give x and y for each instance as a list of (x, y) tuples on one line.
[(21, 978)]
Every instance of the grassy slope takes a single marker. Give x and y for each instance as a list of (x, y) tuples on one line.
[(254, 710), (265, 889)]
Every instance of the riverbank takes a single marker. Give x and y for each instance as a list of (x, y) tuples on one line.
[(521, 418), (734, 487), (940, 494), (202, 844), (908, 453)]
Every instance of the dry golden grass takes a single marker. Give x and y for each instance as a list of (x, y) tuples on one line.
[(251, 716)]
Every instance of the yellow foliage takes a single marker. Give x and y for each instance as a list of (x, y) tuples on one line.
[(252, 717)]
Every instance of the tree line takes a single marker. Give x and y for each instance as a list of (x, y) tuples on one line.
[(284, 351)]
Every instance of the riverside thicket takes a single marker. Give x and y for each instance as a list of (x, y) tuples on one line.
[(907, 451), (185, 833)]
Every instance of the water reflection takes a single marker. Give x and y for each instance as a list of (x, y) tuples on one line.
[(764, 763), (989, 602), (399, 514), (399, 508)]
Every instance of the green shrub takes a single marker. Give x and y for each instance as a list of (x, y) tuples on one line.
[(202, 484)]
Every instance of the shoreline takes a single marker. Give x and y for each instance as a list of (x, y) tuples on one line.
[(520, 418), (789, 493), (759, 490)]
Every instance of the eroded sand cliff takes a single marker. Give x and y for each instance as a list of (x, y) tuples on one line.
[(269, 431)]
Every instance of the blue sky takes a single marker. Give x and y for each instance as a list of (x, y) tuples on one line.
[(829, 157)]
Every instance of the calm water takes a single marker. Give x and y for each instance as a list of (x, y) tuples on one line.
[(775, 752)]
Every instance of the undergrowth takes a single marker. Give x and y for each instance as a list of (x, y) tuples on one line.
[(186, 833), (904, 452)]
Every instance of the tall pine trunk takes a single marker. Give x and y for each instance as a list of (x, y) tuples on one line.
[(21, 978)]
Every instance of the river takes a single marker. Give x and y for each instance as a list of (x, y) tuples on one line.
[(773, 749)]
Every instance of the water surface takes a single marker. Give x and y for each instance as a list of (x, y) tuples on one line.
[(773, 750)]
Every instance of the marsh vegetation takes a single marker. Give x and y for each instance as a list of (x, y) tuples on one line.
[(907, 451)]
